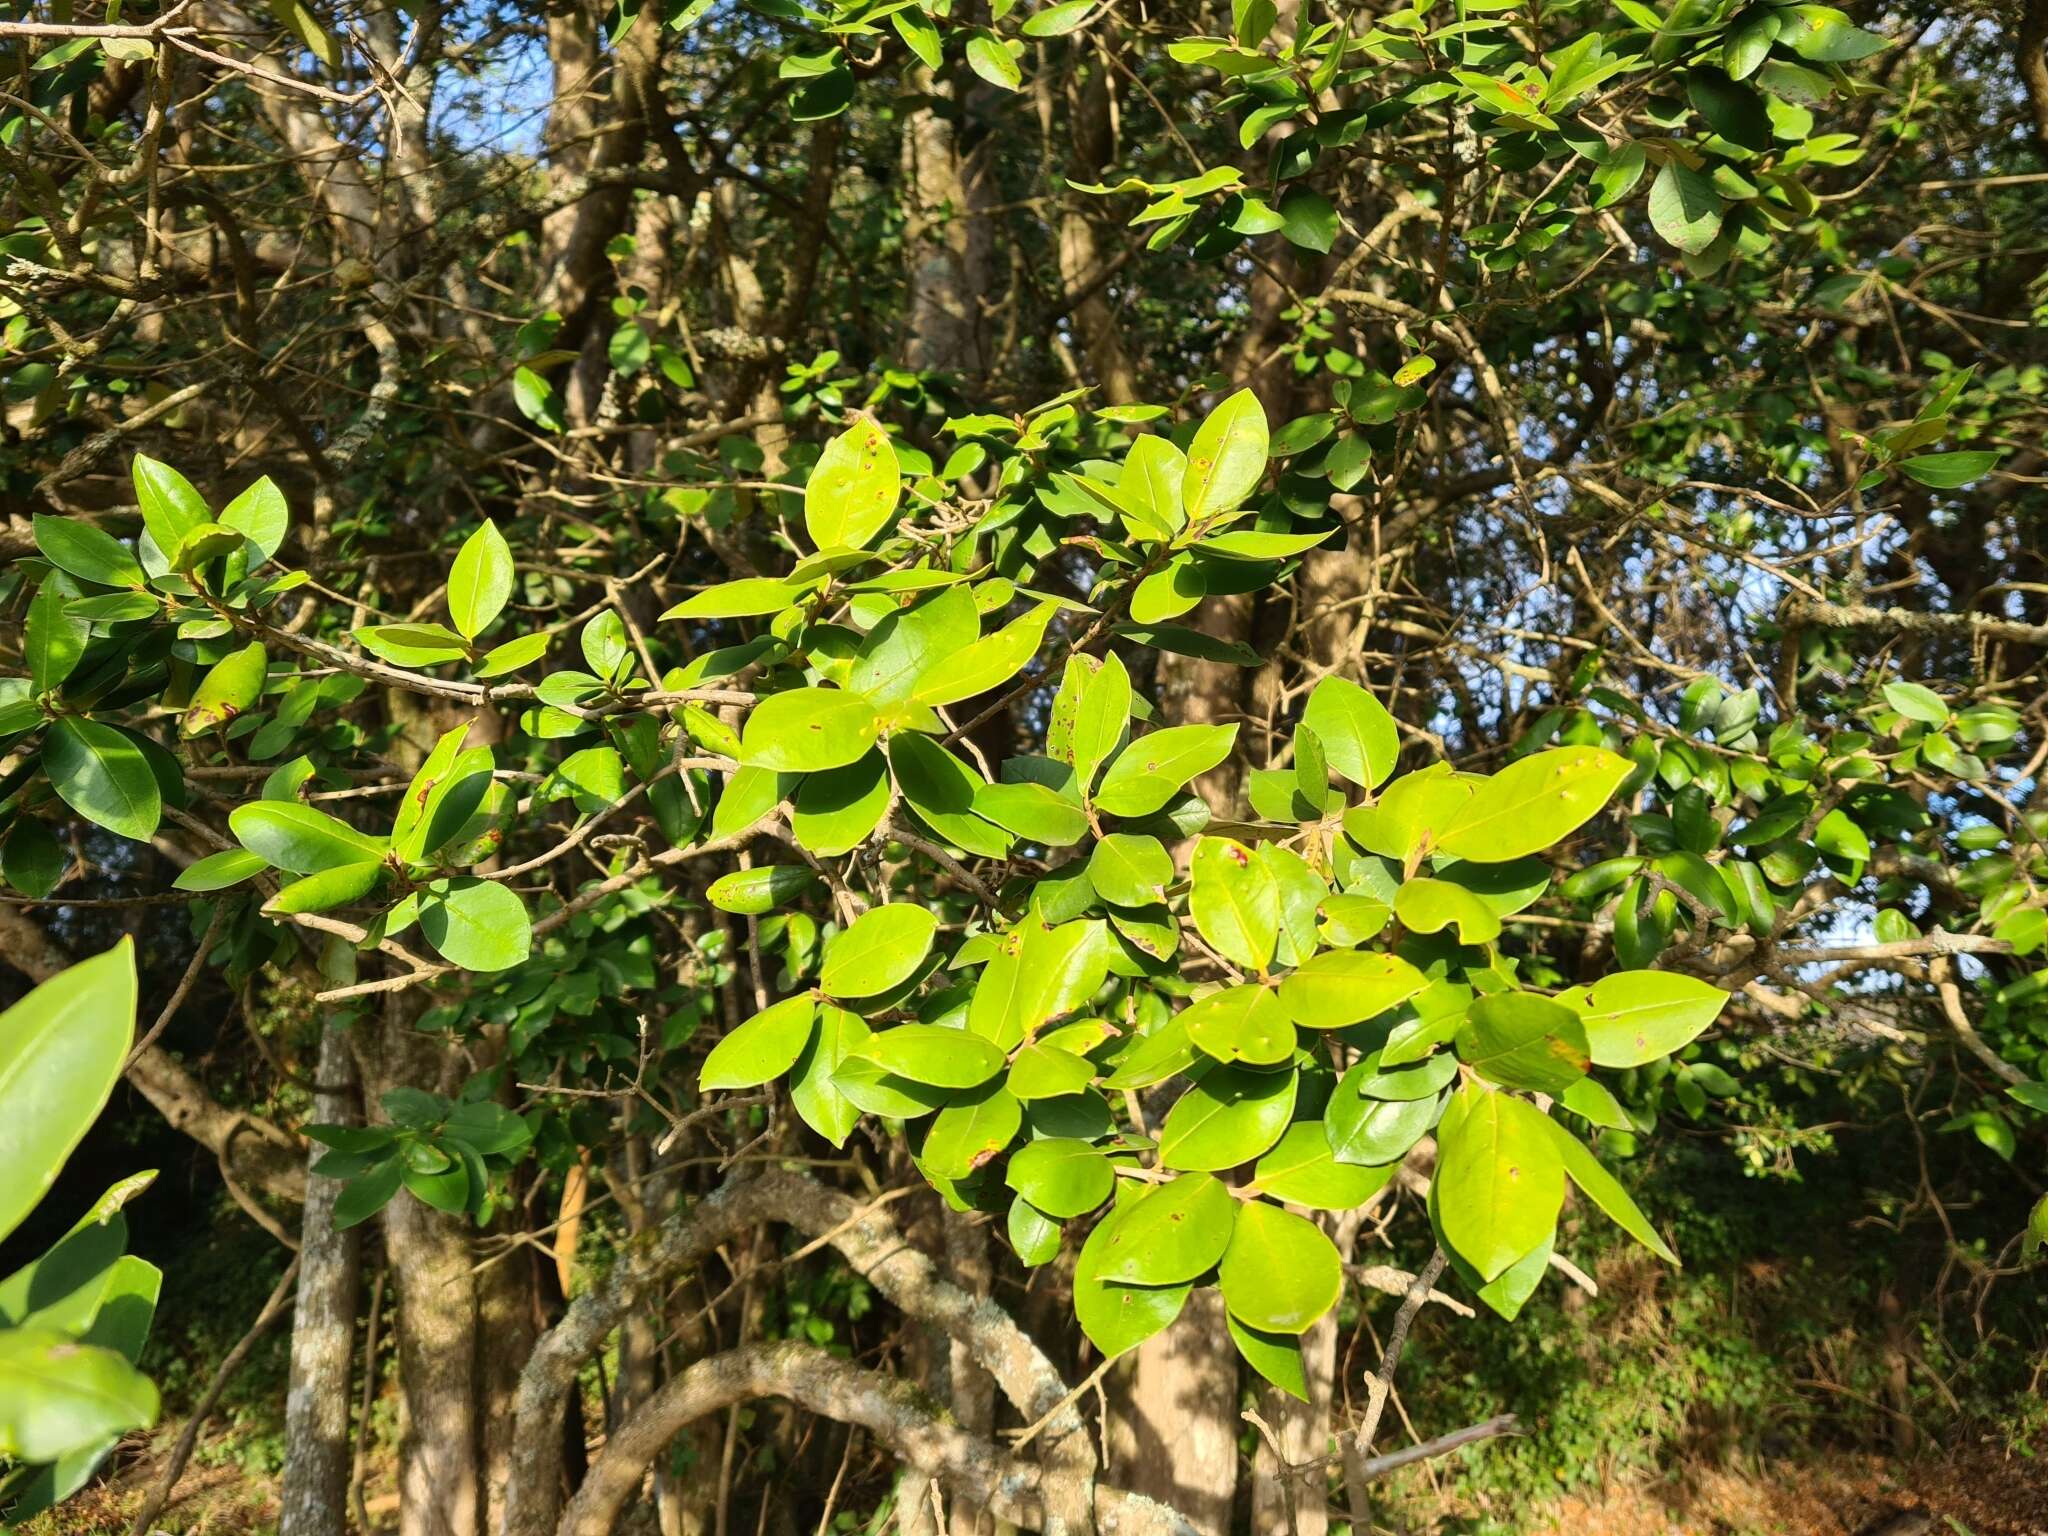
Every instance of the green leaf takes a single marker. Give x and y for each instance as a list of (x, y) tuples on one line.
[(1947, 471), (1118, 1318), (1371, 1131), (749, 597), (941, 789), (535, 397), (1244, 1024), (1102, 714), (1734, 111), (1057, 20), (53, 640), (1825, 35), (1359, 738), (854, 490), (1032, 811), (807, 730), (231, 687), (368, 1193), (1430, 906), (1041, 1071), (1037, 973), (968, 1134), (1302, 1170), (1229, 1117), (32, 859), (1603, 1189), (1917, 703), (430, 784), (1684, 207), (171, 508), (480, 582), (989, 57), (1130, 870), (882, 949), (1500, 1183), (1155, 767), (752, 892), (918, 34), (102, 774), (1633, 1017), (330, 888), (1341, 987), (1520, 1040), (629, 349), (837, 810), (209, 541), (1176, 1233), (1748, 42), (259, 515), (988, 663), (58, 1396), (1411, 814), (1308, 219), (1226, 459), (1275, 1356), (933, 1054), (1235, 902), (1590, 1100), (1533, 803), (61, 1052), (1280, 1273), (300, 838), (1034, 1236), (760, 1049), (1061, 1176), (1169, 593), (298, 18), (218, 871), (910, 643), (520, 651), (89, 553), (412, 645), (812, 1089), (479, 925)]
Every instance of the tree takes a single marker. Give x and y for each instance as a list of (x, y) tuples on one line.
[(1131, 636)]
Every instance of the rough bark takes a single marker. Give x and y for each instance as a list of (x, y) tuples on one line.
[(1084, 262), (2032, 55), (312, 1492), (946, 235), (441, 1463), (440, 1452), (1174, 1437)]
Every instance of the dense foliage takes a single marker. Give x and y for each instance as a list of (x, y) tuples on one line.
[(1078, 658)]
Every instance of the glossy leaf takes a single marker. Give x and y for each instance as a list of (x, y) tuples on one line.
[(61, 1051), (881, 949), (102, 774), (1280, 1273), (1229, 1116), (1500, 1181), (763, 1048)]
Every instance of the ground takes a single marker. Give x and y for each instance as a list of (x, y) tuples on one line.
[(1975, 1491)]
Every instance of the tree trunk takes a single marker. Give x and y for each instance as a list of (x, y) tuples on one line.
[(1175, 1439), (945, 236), (313, 1491)]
